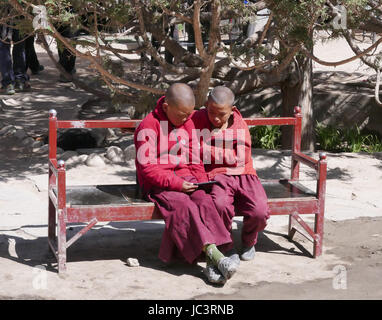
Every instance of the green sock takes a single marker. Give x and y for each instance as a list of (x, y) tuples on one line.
[(213, 253)]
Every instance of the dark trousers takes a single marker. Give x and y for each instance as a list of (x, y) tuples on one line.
[(6, 68), (167, 55), (66, 58), (191, 35), (15, 70), (191, 38), (30, 54)]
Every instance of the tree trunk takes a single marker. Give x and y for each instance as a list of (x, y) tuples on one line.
[(204, 82), (290, 98), (299, 93), (306, 103)]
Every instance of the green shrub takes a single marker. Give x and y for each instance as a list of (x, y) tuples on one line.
[(334, 139), (266, 137), (329, 138)]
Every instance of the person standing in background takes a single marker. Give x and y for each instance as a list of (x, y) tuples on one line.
[(32, 62), (13, 67)]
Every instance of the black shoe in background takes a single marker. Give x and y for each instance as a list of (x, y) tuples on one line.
[(22, 86), (40, 68)]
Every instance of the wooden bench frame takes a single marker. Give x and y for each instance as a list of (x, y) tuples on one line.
[(60, 213)]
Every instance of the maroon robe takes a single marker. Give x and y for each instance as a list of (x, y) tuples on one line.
[(191, 220), (242, 194), (239, 189)]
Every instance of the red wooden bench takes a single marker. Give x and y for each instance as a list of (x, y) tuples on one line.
[(91, 204)]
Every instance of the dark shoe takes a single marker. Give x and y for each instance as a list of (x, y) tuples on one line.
[(10, 89), (22, 86), (63, 79), (40, 68), (248, 253), (213, 274)]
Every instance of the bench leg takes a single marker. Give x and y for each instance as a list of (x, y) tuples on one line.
[(319, 231), (319, 218), (51, 222), (61, 242), (316, 235), (291, 230)]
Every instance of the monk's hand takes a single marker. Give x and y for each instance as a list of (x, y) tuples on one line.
[(188, 187)]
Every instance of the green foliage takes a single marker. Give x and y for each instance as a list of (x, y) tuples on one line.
[(266, 137), (356, 12), (115, 67), (293, 22), (334, 139), (24, 27), (295, 19), (329, 138), (237, 6)]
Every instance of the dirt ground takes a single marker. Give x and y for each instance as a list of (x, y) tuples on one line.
[(350, 267)]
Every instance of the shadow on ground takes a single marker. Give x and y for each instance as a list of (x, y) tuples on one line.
[(281, 167), (118, 241)]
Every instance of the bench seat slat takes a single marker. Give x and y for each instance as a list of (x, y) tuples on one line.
[(149, 211), (286, 189), (104, 195), (124, 202), (300, 205), (130, 195), (66, 124), (101, 213)]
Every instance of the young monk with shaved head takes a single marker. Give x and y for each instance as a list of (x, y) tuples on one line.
[(238, 188), (167, 175)]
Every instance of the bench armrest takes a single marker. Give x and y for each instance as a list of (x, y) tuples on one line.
[(53, 166), (57, 179), (305, 159), (320, 166)]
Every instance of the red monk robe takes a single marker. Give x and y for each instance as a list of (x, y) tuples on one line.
[(164, 160), (239, 188)]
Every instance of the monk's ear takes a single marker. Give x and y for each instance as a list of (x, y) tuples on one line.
[(165, 106), (233, 109)]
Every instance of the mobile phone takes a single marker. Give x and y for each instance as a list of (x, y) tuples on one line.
[(205, 183)]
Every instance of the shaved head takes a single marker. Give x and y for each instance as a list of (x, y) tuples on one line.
[(222, 96), (220, 107), (179, 103), (180, 94)]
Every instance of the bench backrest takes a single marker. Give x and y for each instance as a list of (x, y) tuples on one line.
[(55, 124)]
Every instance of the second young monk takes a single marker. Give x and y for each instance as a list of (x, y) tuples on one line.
[(192, 223), (227, 157)]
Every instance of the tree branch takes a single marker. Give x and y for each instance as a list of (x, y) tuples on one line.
[(154, 53), (337, 63), (197, 30)]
